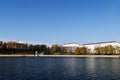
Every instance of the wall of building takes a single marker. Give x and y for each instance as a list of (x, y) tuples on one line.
[(71, 47)]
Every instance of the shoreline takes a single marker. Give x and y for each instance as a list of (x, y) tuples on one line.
[(77, 56)]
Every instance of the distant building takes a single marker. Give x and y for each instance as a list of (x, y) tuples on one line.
[(15, 45), (70, 47)]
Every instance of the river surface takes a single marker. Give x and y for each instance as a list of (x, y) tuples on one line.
[(43, 68)]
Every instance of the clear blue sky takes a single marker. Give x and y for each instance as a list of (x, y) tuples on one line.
[(43, 21)]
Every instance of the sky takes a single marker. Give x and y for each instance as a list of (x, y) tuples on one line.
[(63, 21)]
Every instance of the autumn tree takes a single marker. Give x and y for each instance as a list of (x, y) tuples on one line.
[(97, 50), (117, 49), (77, 51), (105, 50), (110, 49), (55, 49), (81, 51)]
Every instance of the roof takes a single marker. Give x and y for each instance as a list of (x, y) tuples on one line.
[(71, 45), (100, 43)]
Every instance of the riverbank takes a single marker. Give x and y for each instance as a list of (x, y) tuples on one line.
[(104, 56), (16, 55), (109, 56)]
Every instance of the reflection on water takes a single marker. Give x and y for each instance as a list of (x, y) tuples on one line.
[(59, 68)]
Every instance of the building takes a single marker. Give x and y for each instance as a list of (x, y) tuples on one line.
[(70, 47), (91, 46)]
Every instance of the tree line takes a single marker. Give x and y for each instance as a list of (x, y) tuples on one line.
[(24, 48), (106, 50)]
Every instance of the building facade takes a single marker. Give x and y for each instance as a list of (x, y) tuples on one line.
[(71, 47)]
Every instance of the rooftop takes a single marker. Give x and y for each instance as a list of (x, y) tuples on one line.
[(100, 43)]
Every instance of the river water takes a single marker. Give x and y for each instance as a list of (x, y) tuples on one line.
[(44, 68)]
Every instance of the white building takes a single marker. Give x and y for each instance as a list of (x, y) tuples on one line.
[(90, 46), (70, 47)]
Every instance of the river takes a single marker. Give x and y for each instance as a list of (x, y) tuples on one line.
[(60, 68)]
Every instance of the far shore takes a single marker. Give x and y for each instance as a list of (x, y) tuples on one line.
[(92, 56)]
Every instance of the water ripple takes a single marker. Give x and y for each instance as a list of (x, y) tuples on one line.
[(59, 69)]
